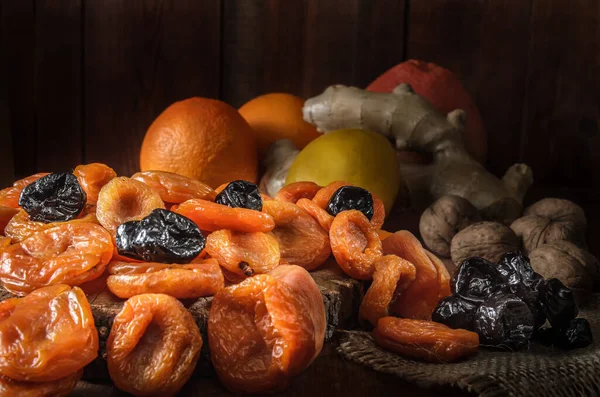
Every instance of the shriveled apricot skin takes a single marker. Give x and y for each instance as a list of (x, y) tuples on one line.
[(180, 281), (266, 330), (6, 214), (443, 275), (425, 340), (174, 188), (47, 335), (57, 388), (9, 197), (318, 213), (296, 191), (92, 177), (153, 346), (20, 226)]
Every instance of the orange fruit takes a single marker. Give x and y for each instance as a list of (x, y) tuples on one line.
[(278, 116), (204, 139)]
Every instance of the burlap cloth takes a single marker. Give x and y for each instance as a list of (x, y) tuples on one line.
[(536, 371)]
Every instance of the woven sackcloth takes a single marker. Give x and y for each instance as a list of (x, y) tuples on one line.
[(535, 371)]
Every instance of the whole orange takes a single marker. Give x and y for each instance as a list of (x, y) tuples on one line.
[(278, 116), (201, 138)]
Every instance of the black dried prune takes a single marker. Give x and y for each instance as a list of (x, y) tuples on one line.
[(576, 334), (163, 236), (530, 297), (240, 194), (516, 268), (476, 279), (56, 197), (455, 312), (558, 303), (504, 321), (351, 198)]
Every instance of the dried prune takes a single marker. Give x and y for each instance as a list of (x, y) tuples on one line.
[(516, 269), (175, 188), (153, 346), (20, 226), (455, 312), (47, 335), (9, 197), (476, 279), (240, 194), (351, 198), (504, 321), (163, 236), (576, 334), (425, 340), (558, 302), (296, 191), (92, 177), (53, 198), (57, 388)]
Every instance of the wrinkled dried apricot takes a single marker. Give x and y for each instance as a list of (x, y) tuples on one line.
[(180, 281), (302, 241), (443, 275), (266, 330), (6, 214), (175, 188), (420, 299), (68, 253), (392, 276), (20, 226), (153, 346), (4, 242), (9, 197), (355, 244), (210, 216), (47, 335), (125, 199), (383, 234), (57, 388), (92, 177), (296, 191), (244, 254), (318, 213), (425, 340)]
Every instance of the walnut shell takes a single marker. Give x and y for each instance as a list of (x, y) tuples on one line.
[(489, 240), (443, 219), (551, 220)]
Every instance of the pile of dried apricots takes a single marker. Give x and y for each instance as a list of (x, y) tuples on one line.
[(163, 237)]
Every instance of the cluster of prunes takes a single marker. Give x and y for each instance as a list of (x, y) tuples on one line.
[(508, 303)]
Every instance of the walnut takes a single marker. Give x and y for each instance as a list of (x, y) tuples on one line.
[(443, 219), (489, 240)]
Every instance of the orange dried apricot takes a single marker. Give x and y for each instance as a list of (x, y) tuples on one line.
[(425, 340), (125, 199), (175, 188), (153, 346), (20, 226), (6, 214), (355, 244), (318, 213), (47, 335), (4, 242), (383, 234), (57, 388), (211, 216), (302, 241), (67, 253), (443, 275), (392, 276), (296, 191), (9, 197), (266, 330), (92, 177), (180, 281)]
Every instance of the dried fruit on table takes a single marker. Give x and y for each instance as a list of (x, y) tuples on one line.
[(67, 253), (558, 303), (297, 190), (180, 281), (455, 312), (476, 279), (57, 388), (318, 213), (240, 194), (351, 198), (6, 214), (163, 236), (301, 239), (355, 244), (575, 334), (125, 199), (56, 197), (153, 346), (211, 216), (244, 254), (392, 276), (425, 340), (266, 330), (20, 226), (443, 275), (175, 188), (9, 197), (48, 335), (92, 177), (422, 296)]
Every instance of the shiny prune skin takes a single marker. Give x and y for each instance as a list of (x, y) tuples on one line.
[(476, 279), (516, 268), (240, 194), (575, 335), (351, 198), (56, 197), (558, 303), (163, 236), (504, 321), (528, 295), (455, 312)]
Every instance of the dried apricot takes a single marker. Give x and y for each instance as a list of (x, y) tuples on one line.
[(302, 241), (4, 242), (20, 226), (9, 197), (296, 191), (318, 213), (421, 297), (57, 388), (392, 276), (47, 335), (266, 330), (383, 234), (67, 253), (443, 275), (355, 244), (92, 177), (244, 254), (6, 214), (210, 216), (153, 346), (125, 199), (425, 340), (175, 188), (180, 281)]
